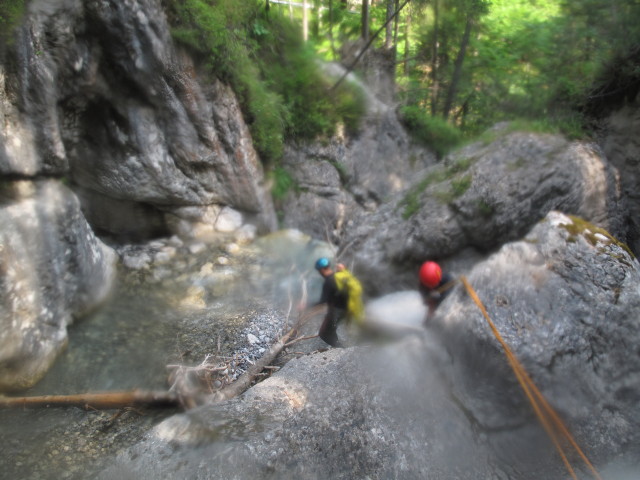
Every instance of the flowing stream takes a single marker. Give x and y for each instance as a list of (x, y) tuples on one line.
[(177, 311)]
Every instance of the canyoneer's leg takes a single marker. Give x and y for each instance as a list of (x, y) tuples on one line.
[(329, 328)]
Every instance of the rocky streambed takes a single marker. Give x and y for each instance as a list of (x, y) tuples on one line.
[(176, 305)]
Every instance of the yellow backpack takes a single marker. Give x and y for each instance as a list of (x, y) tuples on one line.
[(346, 282)]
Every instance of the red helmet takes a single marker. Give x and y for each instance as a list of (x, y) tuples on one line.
[(430, 274)]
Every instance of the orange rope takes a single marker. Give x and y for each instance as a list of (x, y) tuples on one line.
[(545, 413)]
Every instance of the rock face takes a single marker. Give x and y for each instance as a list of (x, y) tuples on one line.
[(53, 269), (95, 96), (481, 197), (620, 144), (97, 91), (443, 404), (565, 300), (340, 414), (350, 175)]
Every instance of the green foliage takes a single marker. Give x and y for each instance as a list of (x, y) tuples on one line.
[(227, 33), (485, 209), (431, 131), (459, 165), (594, 235), (458, 182), (569, 125), (282, 182), (281, 89), (526, 59), (616, 84), (11, 12), (342, 171), (314, 110), (411, 201), (456, 188), (460, 185), (529, 60)]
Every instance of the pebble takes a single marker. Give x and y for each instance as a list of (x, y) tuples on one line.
[(232, 248), (196, 248), (258, 331)]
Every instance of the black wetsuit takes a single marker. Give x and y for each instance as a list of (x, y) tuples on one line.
[(336, 308), (432, 297)]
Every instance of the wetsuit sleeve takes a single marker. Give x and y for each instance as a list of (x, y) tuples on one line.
[(446, 279), (324, 295), (431, 296), (329, 291)]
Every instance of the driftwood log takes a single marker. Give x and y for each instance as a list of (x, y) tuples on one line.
[(142, 398), (245, 380), (99, 400)]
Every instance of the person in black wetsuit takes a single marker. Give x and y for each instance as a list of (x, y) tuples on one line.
[(434, 287), (336, 303)]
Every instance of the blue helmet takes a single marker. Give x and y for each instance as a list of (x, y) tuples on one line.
[(322, 262)]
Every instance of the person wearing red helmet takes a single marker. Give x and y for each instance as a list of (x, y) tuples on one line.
[(434, 287)]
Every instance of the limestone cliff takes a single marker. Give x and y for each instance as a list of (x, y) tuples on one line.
[(98, 105)]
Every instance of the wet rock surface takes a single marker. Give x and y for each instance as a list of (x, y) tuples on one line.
[(175, 303), (479, 198), (53, 270), (565, 299), (439, 404), (442, 403)]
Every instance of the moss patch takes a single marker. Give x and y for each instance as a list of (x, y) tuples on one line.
[(516, 164), (453, 172), (281, 183), (592, 234), (11, 13)]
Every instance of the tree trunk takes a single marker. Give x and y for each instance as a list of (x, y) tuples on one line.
[(331, 39), (365, 20), (364, 49), (106, 400), (435, 64), (457, 70), (396, 24), (407, 44), (317, 25), (388, 39), (116, 400), (305, 21)]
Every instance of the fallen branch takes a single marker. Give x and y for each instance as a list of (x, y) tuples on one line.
[(104, 400), (245, 380), (185, 397), (299, 339)]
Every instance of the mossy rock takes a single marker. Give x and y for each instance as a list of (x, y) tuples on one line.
[(594, 235)]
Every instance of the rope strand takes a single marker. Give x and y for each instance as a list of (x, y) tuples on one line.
[(543, 410)]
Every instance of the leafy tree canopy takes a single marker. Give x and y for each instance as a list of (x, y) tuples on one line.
[(260, 52), (465, 63)]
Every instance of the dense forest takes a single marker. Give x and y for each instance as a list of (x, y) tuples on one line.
[(459, 66)]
